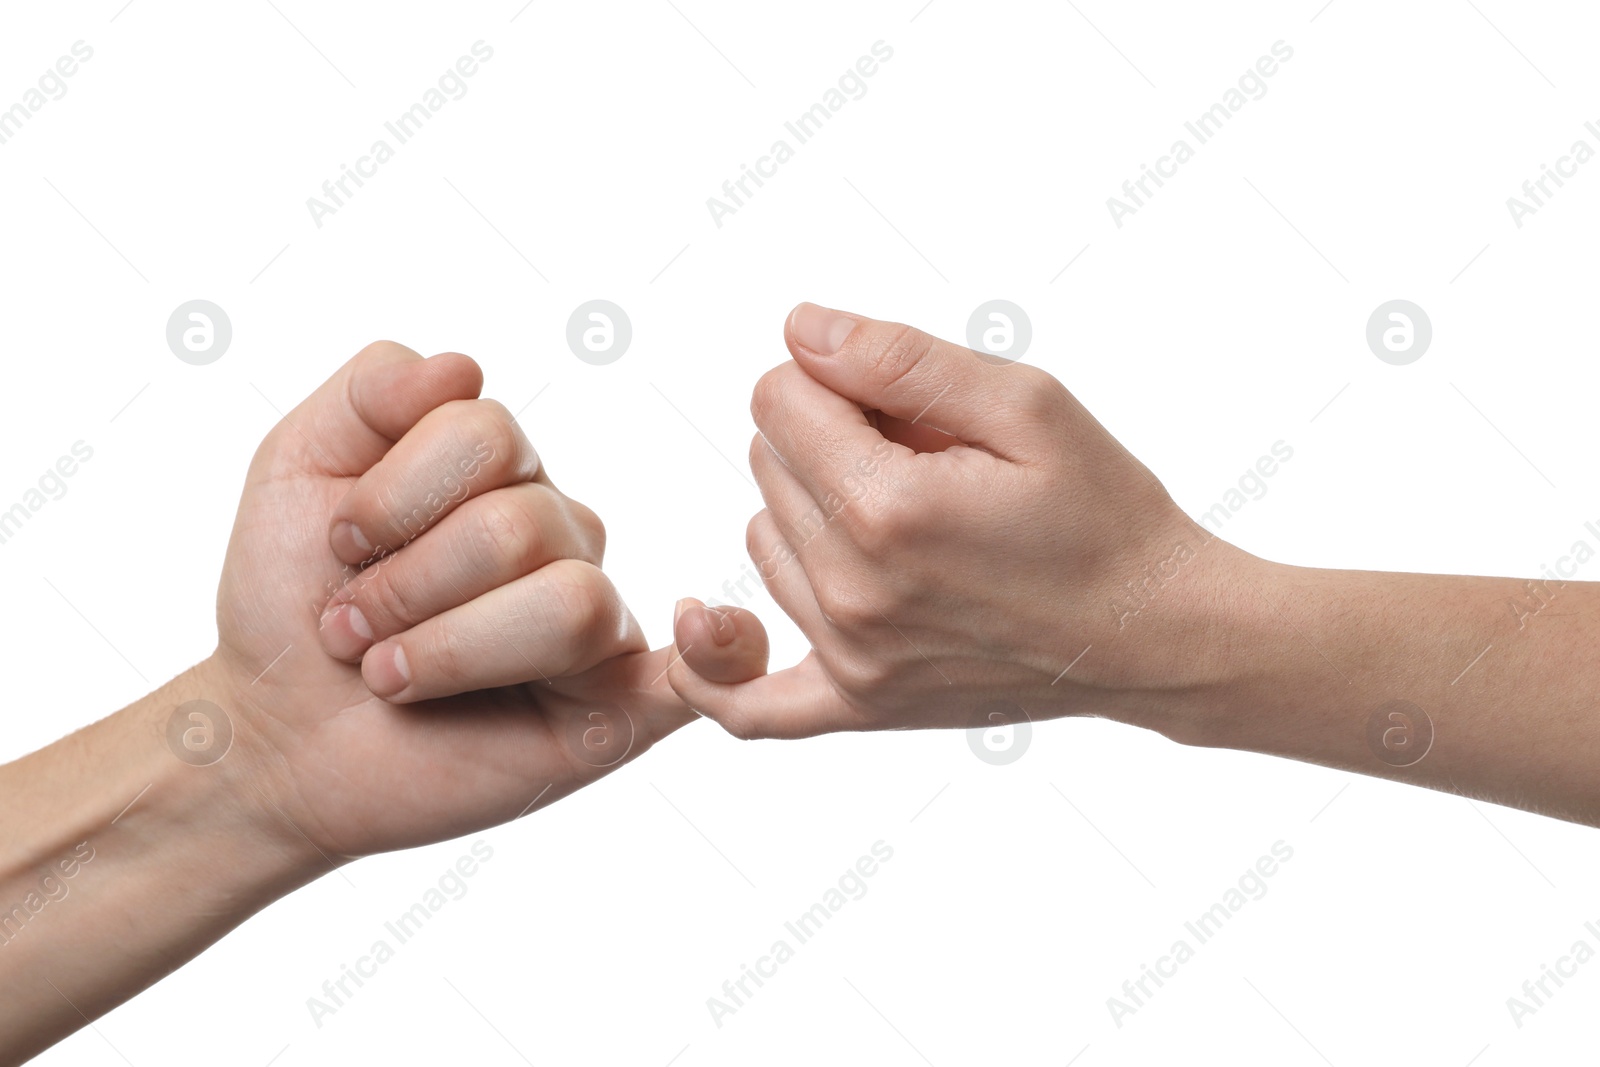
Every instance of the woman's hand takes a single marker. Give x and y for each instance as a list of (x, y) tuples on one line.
[(962, 544)]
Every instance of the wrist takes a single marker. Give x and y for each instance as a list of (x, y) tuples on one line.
[(1244, 635), (1181, 657), (1292, 652), (161, 855), (210, 785)]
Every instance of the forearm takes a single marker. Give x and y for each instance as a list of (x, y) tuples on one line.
[(121, 862), (1502, 673)]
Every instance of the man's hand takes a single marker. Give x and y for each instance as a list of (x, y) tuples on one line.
[(445, 653), (392, 524)]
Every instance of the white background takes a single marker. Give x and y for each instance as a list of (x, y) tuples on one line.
[(1223, 317)]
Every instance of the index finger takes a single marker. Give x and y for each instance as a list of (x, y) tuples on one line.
[(459, 450), (825, 440)]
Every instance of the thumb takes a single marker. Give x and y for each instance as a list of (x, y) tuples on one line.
[(353, 418), (916, 377)]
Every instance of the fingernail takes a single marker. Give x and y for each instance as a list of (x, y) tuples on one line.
[(346, 640), (358, 623), (819, 329), (349, 531), (722, 631), (677, 611), (386, 670)]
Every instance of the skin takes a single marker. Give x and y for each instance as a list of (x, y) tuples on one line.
[(964, 545), (493, 669), (526, 679)]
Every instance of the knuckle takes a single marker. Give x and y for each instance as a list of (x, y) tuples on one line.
[(755, 546), (743, 726), (1042, 398), (488, 426), (841, 602), (591, 531), (891, 352), (582, 602), (868, 675), (872, 536), (496, 410), (882, 524), (445, 656), (509, 536), (395, 516), (800, 528), (865, 674), (767, 397), (387, 598), (753, 542), (767, 552), (384, 351)]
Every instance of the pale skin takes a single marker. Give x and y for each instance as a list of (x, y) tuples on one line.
[(526, 678), (986, 559), (951, 535)]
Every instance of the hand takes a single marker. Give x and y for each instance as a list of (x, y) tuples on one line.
[(416, 640), (958, 540), (392, 524)]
